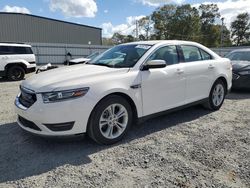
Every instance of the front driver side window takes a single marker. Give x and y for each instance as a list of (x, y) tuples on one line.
[(167, 53)]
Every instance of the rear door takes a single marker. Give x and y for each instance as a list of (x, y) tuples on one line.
[(199, 70), (4, 55), (22, 53)]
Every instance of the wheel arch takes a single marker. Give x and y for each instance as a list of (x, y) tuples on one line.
[(130, 101), (224, 80), (15, 64), (125, 96)]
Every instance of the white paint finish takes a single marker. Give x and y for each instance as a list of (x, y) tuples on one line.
[(24, 59), (161, 89), (200, 75)]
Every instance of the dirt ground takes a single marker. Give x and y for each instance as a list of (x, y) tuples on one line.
[(193, 147)]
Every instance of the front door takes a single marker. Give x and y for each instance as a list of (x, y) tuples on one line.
[(163, 88)]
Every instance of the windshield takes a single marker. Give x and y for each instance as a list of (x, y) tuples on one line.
[(121, 56), (239, 56), (92, 56)]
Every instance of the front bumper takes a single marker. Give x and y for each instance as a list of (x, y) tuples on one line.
[(241, 81), (63, 118), (30, 68)]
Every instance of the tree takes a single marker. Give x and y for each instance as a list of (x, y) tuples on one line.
[(129, 38), (176, 22), (162, 21), (210, 34), (145, 26), (209, 12), (118, 38), (107, 42), (185, 23), (226, 37), (240, 29)]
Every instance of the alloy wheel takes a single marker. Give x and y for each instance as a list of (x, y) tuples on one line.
[(218, 95), (16, 74), (113, 121)]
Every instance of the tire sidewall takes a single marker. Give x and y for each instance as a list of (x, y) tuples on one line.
[(10, 72), (214, 107), (93, 126)]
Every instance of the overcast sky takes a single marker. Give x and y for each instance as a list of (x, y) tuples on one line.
[(111, 15)]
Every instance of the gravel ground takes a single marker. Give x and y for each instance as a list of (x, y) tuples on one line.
[(190, 148)]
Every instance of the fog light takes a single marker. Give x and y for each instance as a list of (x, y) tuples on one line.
[(60, 126)]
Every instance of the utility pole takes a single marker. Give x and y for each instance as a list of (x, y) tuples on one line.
[(136, 30), (221, 34)]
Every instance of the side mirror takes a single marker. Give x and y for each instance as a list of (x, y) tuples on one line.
[(154, 64)]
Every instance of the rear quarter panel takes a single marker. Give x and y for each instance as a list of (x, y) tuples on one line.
[(224, 69)]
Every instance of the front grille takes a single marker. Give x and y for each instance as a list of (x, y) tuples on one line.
[(28, 124), (27, 97)]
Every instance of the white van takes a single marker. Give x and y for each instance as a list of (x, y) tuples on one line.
[(16, 60)]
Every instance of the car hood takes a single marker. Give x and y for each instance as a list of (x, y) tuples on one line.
[(79, 60), (240, 65), (70, 77)]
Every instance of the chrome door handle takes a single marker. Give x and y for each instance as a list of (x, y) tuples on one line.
[(179, 71), (210, 66)]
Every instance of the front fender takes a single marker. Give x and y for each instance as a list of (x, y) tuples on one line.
[(20, 61), (134, 95)]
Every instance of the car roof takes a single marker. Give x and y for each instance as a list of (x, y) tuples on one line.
[(241, 50), (153, 42), (14, 44), (174, 42)]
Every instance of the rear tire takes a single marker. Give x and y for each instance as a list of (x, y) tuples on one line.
[(15, 73), (216, 96), (110, 120)]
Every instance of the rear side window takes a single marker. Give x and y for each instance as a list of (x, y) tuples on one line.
[(15, 50), (29, 50), (205, 55), (21, 50), (18, 50), (191, 53)]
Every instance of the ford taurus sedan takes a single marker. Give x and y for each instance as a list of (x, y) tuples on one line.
[(129, 82)]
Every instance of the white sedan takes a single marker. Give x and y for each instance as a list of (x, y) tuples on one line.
[(104, 97)]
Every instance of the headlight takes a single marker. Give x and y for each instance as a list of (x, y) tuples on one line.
[(64, 95), (244, 72)]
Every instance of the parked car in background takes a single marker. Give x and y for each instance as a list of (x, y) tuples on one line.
[(16, 60), (127, 82), (241, 68), (83, 59)]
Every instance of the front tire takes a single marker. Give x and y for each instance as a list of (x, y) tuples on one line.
[(110, 120), (216, 96), (15, 73)]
